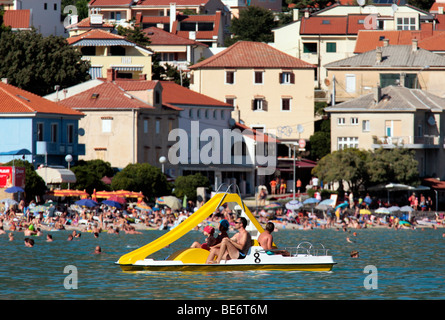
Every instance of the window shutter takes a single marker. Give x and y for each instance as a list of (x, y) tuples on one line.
[(280, 77), (265, 105), (253, 104), (292, 77)]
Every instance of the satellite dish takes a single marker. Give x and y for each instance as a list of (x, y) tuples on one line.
[(81, 132), (327, 81), (232, 122), (361, 3), (300, 128)]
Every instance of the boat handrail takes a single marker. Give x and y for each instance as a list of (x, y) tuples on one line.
[(229, 187)]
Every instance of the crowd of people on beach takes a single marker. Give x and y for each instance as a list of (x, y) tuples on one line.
[(133, 218)]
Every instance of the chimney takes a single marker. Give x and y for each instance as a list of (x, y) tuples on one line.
[(192, 35), (377, 94), (111, 74), (172, 15), (142, 76), (5, 80), (414, 45), (306, 13), (385, 42), (295, 14), (378, 55), (402, 79), (440, 10)]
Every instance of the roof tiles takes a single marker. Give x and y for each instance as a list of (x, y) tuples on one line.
[(16, 100), (17, 19), (247, 54)]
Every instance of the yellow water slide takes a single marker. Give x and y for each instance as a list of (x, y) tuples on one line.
[(188, 224)]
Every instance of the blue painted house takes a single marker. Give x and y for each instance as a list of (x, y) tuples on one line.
[(36, 129)]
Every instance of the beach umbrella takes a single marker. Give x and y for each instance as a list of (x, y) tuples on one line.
[(342, 205), (14, 189), (116, 198), (382, 210), (311, 201), (328, 202), (365, 211), (406, 209), (86, 203), (170, 201), (393, 209), (9, 202), (112, 203), (294, 205)]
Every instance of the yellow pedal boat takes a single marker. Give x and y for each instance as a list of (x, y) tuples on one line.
[(303, 257)]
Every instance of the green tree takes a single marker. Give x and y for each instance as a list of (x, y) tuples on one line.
[(394, 165), (254, 24), (311, 4), (89, 175), (134, 34), (168, 72), (421, 4), (34, 184), (348, 165), (142, 177), (186, 185), (81, 6), (36, 63)]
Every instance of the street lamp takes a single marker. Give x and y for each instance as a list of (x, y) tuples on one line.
[(69, 159), (162, 160)]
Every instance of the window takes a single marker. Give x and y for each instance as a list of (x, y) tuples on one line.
[(39, 131), (145, 125), (191, 113), (88, 51), (259, 104), (157, 97), (70, 133), (287, 77), (258, 77), (406, 23), (341, 121), (106, 125), (55, 6), (354, 121), (230, 77), (350, 83), (54, 132), (115, 15), (223, 115), (331, 47), (198, 113), (326, 22), (310, 47), (158, 126), (347, 142), (230, 101), (45, 6), (366, 126), (285, 104)]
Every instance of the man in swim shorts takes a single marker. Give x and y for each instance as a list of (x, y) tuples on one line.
[(237, 246)]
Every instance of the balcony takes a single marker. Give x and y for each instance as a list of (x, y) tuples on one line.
[(409, 142)]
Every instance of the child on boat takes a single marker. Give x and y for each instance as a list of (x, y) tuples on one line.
[(210, 240)]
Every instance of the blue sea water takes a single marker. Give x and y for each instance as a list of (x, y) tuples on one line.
[(393, 265)]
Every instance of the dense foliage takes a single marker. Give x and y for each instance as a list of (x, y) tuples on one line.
[(360, 168), (186, 185), (37, 64), (142, 177)]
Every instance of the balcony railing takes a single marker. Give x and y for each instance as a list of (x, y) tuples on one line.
[(425, 141)]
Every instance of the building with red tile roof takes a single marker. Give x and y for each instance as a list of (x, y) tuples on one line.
[(45, 128), (430, 40), (267, 87), (18, 19), (173, 49), (125, 121), (106, 50), (330, 34)]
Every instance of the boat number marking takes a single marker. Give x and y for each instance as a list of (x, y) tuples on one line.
[(257, 257)]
